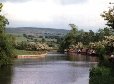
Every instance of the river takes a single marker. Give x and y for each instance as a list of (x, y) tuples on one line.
[(53, 69)]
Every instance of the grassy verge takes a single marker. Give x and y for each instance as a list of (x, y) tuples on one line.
[(24, 52), (101, 75), (20, 39)]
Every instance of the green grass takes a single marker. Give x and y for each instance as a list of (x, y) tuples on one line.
[(15, 34), (55, 40), (25, 52), (20, 39), (22, 52)]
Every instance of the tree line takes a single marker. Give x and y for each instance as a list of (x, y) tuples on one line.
[(102, 41)]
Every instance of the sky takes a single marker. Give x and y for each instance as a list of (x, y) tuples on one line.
[(85, 14)]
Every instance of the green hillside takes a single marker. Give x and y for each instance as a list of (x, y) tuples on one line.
[(37, 31), (27, 35)]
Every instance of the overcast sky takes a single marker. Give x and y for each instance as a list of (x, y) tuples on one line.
[(56, 13)]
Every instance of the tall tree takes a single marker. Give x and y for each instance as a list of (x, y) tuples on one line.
[(70, 38), (6, 53), (109, 17)]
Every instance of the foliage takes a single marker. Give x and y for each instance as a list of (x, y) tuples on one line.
[(6, 42), (28, 52), (21, 45), (32, 46), (3, 21), (6, 71), (6, 51), (101, 75), (89, 39), (70, 38), (109, 17), (79, 45)]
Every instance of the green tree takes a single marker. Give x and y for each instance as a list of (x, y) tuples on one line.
[(109, 17), (43, 40), (107, 31), (103, 73), (6, 52), (70, 38)]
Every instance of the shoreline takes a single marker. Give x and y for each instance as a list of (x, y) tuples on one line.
[(31, 56)]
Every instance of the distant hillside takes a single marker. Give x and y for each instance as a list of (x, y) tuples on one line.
[(37, 31)]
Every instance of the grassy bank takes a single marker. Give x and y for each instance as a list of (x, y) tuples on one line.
[(101, 75), (25, 52)]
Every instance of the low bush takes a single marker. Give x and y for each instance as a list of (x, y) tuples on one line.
[(101, 75)]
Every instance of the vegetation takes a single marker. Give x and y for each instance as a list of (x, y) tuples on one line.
[(6, 42), (25, 36), (35, 41), (81, 39), (101, 41), (103, 74), (26, 52), (109, 17)]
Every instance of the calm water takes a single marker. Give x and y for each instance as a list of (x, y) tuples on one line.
[(54, 69)]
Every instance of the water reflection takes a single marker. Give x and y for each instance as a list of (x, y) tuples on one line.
[(79, 57), (5, 75), (54, 69)]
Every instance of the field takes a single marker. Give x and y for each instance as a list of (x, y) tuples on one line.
[(47, 38), (20, 38), (24, 52)]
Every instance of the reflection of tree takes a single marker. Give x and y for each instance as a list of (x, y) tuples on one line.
[(79, 57), (5, 75)]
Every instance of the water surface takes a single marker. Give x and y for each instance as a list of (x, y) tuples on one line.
[(53, 69)]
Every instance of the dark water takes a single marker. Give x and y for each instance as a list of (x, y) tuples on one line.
[(54, 69)]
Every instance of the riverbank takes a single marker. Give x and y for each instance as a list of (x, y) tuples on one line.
[(103, 73), (31, 56), (26, 52), (21, 54)]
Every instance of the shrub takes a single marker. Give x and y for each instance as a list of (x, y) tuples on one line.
[(101, 75)]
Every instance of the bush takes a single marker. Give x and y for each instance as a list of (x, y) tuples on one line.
[(101, 75), (6, 51)]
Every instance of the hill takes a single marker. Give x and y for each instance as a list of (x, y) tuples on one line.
[(37, 31)]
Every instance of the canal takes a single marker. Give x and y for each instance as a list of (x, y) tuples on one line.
[(53, 69)]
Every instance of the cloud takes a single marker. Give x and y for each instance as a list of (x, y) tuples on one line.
[(65, 2), (14, 0), (69, 2), (56, 13), (32, 11)]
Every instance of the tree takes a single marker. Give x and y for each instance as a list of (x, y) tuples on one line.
[(70, 38), (109, 17), (43, 40), (6, 52)]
